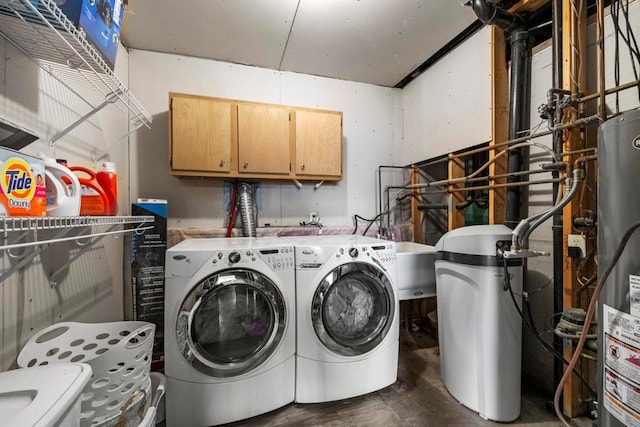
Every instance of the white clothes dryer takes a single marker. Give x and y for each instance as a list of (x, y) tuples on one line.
[(347, 316), (229, 329)]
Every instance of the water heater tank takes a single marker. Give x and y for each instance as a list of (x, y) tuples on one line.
[(619, 302)]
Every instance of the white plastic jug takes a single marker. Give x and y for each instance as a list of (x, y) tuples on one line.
[(63, 190)]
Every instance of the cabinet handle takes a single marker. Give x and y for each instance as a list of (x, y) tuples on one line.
[(302, 167), (246, 164), (221, 163)]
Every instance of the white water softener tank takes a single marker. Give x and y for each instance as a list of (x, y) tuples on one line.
[(479, 328), (619, 301)]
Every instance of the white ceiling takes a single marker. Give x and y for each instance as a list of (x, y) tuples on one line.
[(371, 41)]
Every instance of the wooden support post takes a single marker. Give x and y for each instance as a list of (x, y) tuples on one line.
[(416, 215), (500, 123), (574, 63), (456, 170)]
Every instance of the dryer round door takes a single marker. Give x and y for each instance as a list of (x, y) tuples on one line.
[(353, 309), (231, 322)]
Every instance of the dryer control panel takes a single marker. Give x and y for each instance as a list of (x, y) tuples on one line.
[(276, 258)]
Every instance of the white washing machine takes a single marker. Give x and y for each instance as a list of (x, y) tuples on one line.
[(229, 329), (347, 316)]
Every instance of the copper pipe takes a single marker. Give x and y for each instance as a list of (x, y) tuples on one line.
[(584, 159), (507, 184), (622, 87), (572, 124), (584, 150), (463, 180)]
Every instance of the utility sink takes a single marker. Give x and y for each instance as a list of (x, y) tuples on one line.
[(416, 272)]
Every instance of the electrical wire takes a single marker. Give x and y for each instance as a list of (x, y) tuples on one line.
[(587, 321), (374, 220), (370, 221), (535, 333)]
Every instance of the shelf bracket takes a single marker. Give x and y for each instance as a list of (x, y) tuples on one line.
[(35, 224), (110, 99), (136, 123), (27, 259), (98, 236), (53, 276)]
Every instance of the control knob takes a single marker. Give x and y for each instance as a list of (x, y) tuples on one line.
[(234, 257), (353, 252)]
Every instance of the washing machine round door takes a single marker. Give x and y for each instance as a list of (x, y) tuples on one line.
[(231, 322), (353, 309)]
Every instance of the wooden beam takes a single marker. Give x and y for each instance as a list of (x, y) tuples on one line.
[(500, 122), (456, 170), (574, 62)]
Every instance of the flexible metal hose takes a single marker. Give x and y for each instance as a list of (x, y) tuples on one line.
[(246, 205)]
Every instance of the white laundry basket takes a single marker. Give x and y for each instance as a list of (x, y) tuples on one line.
[(119, 354)]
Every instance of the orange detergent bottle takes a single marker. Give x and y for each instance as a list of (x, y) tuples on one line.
[(108, 180), (93, 199)]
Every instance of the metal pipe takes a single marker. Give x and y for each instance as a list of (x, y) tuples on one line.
[(584, 150), (490, 14), (380, 167), (507, 184), (569, 125), (526, 226), (519, 117), (615, 89), (602, 111)]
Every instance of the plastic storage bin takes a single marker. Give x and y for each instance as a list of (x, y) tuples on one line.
[(479, 328), (119, 354)]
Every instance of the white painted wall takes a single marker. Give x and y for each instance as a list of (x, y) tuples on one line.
[(369, 133), (91, 289), (448, 107)]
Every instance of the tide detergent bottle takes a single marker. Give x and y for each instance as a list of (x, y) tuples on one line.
[(22, 184)]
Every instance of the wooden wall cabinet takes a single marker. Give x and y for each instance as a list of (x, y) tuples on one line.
[(226, 138), (318, 143), (201, 135), (263, 139)]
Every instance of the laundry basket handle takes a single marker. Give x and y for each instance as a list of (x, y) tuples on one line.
[(139, 336)]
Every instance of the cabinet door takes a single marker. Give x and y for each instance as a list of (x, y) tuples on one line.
[(201, 135), (318, 143), (263, 139)]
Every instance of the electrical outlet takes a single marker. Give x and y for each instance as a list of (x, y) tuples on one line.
[(313, 216), (578, 242)]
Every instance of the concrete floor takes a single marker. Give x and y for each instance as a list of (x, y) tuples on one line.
[(418, 398)]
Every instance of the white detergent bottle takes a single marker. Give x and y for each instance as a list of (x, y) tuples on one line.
[(63, 189)]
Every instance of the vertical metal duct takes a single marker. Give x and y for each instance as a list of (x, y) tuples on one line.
[(519, 95), (248, 210)]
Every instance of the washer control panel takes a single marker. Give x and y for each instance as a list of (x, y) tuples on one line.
[(277, 258), (384, 253)]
